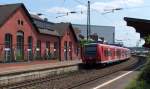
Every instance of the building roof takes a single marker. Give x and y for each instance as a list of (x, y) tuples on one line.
[(141, 25), (62, 27), (45, 27), (41, 25), (35, 16), (136, 20), (7, 10)]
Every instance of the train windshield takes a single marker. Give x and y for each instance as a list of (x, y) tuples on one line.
[(90, 50)]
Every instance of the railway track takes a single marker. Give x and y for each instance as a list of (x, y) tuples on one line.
[(74, 79), (130, 67)]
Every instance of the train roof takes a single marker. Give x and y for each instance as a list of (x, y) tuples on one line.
[(106, 45)]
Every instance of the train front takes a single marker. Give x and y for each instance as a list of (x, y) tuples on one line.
[(89, 54)]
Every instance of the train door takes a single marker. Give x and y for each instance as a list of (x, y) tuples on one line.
[(118, 53), (106, 54), (122, 54), (99, 52), (113, 53)]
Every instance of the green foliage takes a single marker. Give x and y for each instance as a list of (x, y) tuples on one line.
[(143, 80), (138, 85), (145, 74), (19, 56), (147, 39), (83, 42)]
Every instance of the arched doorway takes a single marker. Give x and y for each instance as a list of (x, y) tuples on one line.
[(65, 51), (30, 48), (8, 48), (70, 50), (20, 46)]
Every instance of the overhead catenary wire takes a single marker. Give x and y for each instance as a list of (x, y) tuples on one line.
[(80, 2), (111, 10)]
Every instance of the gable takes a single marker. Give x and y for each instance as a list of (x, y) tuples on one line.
[(62, 28), (7, 11), (73, 32)]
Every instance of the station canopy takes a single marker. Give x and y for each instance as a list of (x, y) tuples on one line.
[(142, 26)]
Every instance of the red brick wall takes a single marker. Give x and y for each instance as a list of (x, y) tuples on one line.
[(69, 38), (49, 38), (11, 26)]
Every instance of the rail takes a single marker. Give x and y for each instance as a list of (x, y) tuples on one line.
[(74, 79)]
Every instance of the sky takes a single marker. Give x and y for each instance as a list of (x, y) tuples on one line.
[(101, 14)]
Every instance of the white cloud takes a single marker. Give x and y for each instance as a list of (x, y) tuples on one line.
[(81, 8), (35, 13), (133, 2), (72, 17), (62, 16), (107, 6), (56, 10), (123, 32), (97, 6)]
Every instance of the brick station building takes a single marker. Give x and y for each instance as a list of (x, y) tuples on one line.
[(26, 37)]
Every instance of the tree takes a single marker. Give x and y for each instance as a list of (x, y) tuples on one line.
[(83, 42), (147, 39)]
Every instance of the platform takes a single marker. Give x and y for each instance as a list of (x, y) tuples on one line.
[(19, 72), (34, 65)]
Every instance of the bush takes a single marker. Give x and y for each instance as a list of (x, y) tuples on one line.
[(145, 74), (143, 80), (138, 85)]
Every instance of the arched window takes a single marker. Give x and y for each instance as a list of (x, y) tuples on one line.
[(20, 45), (8, 40), (38, 49), (30, 43), (8, 48)]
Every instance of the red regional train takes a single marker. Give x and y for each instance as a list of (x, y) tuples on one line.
[(103, 53)]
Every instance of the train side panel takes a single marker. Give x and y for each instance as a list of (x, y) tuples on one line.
[(102, 53), (106, 54)]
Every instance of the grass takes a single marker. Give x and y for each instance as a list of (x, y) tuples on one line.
[(138, 84), (143, 80)]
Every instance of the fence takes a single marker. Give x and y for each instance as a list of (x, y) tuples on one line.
[(14, 53)]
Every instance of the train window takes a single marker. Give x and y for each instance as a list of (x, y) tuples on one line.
[(107, 53), (90, 50), (118, 53)]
